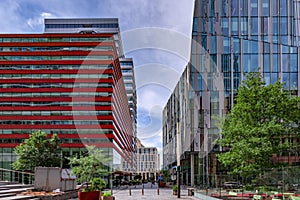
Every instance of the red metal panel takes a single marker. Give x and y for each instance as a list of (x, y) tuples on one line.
[(54, 117), (56, 62), (70, 90), (79, 80), (46, 126), (67, 108), (55, 35), (56, 53), (56, 44)]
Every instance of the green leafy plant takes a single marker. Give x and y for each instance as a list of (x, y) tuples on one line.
[(107, 194), (96, 185), (38, 150), (175, 187), (166, 175), (88, 169)]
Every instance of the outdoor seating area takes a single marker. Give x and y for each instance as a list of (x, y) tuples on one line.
[(244, 195)]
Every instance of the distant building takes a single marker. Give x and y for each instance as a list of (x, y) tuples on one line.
[(147, 162)]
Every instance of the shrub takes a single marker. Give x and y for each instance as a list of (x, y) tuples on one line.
[(107, 193)]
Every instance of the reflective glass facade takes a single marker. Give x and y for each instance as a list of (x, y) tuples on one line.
[(230, 39)]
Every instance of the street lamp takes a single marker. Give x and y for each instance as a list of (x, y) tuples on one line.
[(178, 159)]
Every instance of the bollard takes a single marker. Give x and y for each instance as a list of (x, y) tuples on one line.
[(157, 190), (143, 190), (111, 191), (129, 191)]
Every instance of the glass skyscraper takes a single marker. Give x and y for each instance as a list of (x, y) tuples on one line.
[(230, 39)]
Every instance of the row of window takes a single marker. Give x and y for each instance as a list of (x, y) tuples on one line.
[(56, 94), (240, 25), (126, 70), (41, 103), (244, 7), (55, 67), (58, 39), (54, 76), (56, 57), (147, 166), (126, 63), (60, 122), (111, 25), (147, 158), (57, 113), (280, 63), (253, 45), (147, 150), (58, 131), (63, 140), (58, 85), (49, 48), (290, 80)]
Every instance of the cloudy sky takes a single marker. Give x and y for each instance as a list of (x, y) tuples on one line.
[(155, 33)]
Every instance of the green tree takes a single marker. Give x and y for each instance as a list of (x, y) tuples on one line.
[(166, 175), (260, 125), (91, 167), (38, 150)]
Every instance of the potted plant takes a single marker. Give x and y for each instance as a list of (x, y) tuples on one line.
[(107, 196), (88, 170), (175, 189)]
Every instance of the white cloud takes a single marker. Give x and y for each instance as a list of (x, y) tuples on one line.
[(39, 20), (11, 20)]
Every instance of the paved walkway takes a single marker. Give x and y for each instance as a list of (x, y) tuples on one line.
[(149, 193)]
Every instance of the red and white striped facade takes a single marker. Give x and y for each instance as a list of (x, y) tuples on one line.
[(65, 83)]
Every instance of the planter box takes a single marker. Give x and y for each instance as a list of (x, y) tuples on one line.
[(52, 178), (108, 198), (89, 195), (162, 184)]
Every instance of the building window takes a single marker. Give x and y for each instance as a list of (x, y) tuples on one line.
[(235, 8), (254, 8), (254, 26), (265, 7)]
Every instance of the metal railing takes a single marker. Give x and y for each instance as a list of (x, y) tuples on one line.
[(16, 176)]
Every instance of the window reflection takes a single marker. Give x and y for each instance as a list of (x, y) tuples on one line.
[(234, 7)]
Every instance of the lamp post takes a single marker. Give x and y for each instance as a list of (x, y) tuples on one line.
[(178, 159)]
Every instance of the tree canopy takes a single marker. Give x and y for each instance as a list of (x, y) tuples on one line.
[(38, 150), (91, 167), (261, 124)]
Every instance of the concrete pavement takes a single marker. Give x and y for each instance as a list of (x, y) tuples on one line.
[(150, 193)]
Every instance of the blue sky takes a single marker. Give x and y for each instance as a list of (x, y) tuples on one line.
[(155, 33)]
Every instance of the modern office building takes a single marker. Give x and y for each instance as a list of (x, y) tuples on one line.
[(127, 68), (69, 83), (230, 38)]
